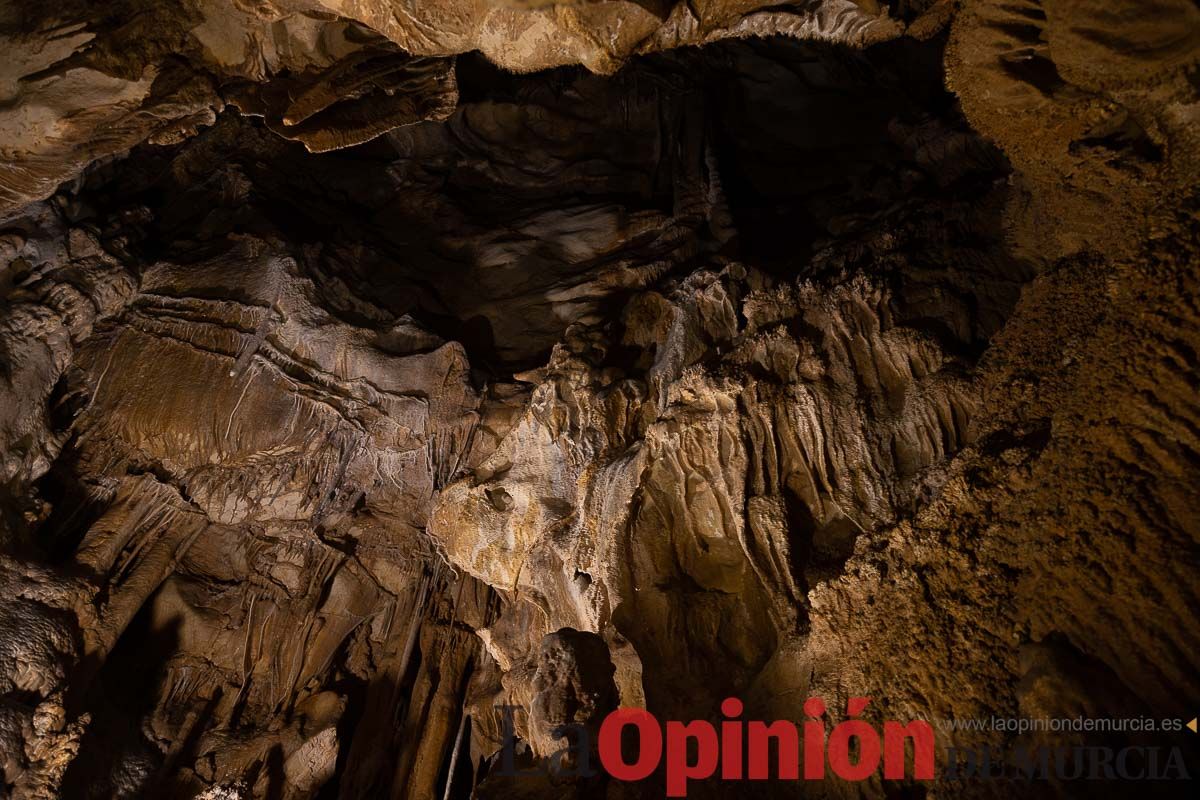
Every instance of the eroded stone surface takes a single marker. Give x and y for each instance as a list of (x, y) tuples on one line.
[(356, 387)]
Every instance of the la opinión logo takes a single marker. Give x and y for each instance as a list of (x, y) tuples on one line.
[(737, 749)]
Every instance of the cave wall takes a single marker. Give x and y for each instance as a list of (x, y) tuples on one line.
[(369, 367)]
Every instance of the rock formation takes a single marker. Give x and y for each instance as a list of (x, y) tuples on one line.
[(378, 378)]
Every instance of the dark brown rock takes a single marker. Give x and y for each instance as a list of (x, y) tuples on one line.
[(369, 368)]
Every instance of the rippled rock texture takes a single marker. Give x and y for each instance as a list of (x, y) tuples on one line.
[(371, 367)]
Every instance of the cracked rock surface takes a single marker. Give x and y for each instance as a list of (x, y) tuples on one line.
[(380, 377)]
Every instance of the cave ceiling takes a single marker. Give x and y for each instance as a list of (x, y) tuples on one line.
[(368, 367)]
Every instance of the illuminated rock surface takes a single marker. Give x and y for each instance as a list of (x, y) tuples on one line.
[(368, 366)]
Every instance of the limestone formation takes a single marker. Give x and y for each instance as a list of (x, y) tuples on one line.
[(386, 385)]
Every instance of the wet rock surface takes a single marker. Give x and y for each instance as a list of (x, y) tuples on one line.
[(371, 368)]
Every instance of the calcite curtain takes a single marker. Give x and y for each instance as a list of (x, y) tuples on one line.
[(387, 384)]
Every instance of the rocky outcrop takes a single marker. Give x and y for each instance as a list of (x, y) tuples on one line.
[(373, 410)]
